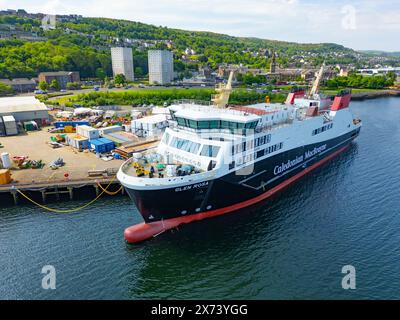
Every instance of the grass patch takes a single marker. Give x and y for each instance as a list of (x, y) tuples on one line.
[(159, 97)]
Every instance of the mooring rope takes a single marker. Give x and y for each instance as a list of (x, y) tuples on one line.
[(75, 209)]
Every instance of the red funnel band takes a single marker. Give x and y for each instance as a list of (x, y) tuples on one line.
[(341, 102), (293, 95)]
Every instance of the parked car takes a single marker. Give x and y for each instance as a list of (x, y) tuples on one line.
[(40, 92)]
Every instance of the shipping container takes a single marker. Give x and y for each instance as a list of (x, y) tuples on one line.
[(30, 126), (68, 129), (88, 132), (108, 143), (111, 129), (98, 146), (78, 142), (2, 128), (10, 125), (117, 142), (62, 124)]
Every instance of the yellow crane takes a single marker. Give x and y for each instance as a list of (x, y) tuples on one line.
[(315, 87), (221, 99)]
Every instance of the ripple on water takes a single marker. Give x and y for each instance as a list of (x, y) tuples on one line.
[(291, 246)]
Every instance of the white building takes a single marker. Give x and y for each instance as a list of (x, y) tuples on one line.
[(151, 126), (161, 66), (122, 62), (24, 109)]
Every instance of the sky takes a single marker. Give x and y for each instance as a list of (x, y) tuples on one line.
[(358, 24)]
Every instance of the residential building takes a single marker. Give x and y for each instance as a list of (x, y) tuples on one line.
[(20, 84), (122, 62), (161, 66), (62, 77)]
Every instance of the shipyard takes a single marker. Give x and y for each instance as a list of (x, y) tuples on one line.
[(227, 151)]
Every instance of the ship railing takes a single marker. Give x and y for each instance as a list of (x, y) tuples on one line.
[(128, 169), (192, 102)]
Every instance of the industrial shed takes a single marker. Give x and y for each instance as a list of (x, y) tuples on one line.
[(24, 109)]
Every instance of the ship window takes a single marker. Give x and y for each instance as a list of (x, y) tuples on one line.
[(181, 121), (192, 124), (224, 124), (210, 151), (233, 125), (260, 153), (214, 124), (204, 124), (251, 125), (231, 165), (185, 145)]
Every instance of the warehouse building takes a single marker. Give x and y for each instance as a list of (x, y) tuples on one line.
[(24, 109)]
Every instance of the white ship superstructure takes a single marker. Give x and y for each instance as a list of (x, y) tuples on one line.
[(213, 160)]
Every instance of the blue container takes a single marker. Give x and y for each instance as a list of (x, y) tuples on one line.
[(62, 124), (109, 145), (98, 146), (80, 123)]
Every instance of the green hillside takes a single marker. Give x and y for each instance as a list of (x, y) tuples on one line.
[(83, 44)]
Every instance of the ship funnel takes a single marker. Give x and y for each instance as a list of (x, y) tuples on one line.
[(296, 93), (341, 101)]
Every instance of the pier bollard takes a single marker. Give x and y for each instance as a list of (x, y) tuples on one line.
[(57, 193), (15, 197), (96, 187), (71, 193)]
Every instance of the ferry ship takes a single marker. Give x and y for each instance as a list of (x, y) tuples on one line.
[(214, 159)]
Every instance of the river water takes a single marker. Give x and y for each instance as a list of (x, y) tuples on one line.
[(292, 246)]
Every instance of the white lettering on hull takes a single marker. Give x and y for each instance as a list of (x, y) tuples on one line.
[(193, 186), (291, 163)]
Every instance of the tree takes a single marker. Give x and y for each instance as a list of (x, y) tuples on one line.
[(55, 85), (43, 85), (100, 73), (73, 86), (5, 89), (120, 79), (139, 72)]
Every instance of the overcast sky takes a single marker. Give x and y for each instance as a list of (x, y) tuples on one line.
[(358, 24)]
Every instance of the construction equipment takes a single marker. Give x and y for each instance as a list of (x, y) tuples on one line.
[(315, 87), (221, 99), (57, 163)]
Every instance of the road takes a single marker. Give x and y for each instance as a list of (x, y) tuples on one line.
[(75, 92)]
